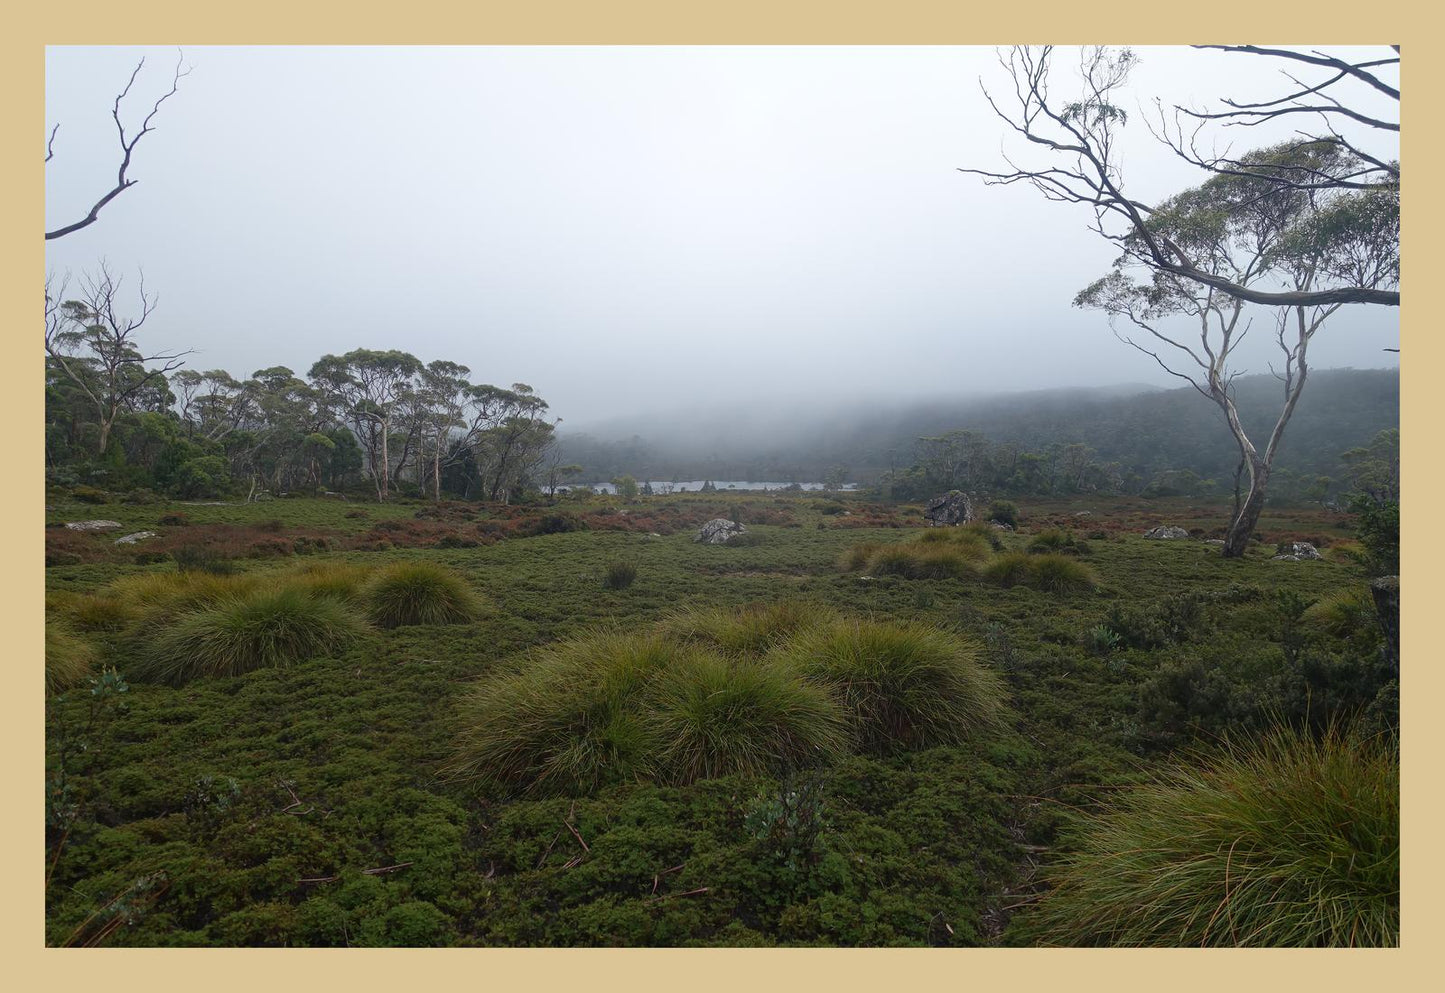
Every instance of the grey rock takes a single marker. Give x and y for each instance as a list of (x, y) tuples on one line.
[(953, 507), (1083, 513), (1298, 551), (94, 525), (718, 530), (1000, 526), (131, 539), (1166, 532)]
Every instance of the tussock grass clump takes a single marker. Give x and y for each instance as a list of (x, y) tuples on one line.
[(1284, 840), (933, 560), (346, 581), (166, 593), (619, 575), (718, 716), (1048, 572), (419, 593), (69, 659), (857, 556), (569, 718), (1060, 574), (262, 629), (754, 629), (1012, 569), (901, 685), (1342, 614), (102, 613)]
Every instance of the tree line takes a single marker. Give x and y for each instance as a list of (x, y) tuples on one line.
[(382, 419)]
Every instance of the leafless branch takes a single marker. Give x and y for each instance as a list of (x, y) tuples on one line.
[(127, 146)]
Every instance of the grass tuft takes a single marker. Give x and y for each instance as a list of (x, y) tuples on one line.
[(718, 716), (754, 629), (1284, 840), (619, 574), (419, 593), (261, 629), (69, 660), (902, 685)]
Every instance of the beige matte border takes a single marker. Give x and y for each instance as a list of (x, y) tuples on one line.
[(28, 965)]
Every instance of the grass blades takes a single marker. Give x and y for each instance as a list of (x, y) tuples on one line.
[(1282, 840), (69, 659)]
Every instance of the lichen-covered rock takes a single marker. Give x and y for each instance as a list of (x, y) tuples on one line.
[(1166, 532), (1297, 551), (131, 539), (718, 530), (953, 507), (94, 525)]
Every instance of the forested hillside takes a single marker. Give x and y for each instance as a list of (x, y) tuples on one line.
[(1132, 437)]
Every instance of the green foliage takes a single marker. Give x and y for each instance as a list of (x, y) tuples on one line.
[(626, 487), (262, 629), (1060, 574), (419, 593), (1378, 528), (903, 686), (1281, 840), (1004, 512), (619, 574), (198, 558)]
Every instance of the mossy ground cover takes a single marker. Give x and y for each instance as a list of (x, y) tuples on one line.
[(306, 804)]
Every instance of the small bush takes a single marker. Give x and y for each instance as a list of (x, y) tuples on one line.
[(419, 593), (1285, 840), (1004, 512), (89, 494), (69, 660), (174, 519), (900, 685), (619, 575), (718, 716), (260, 630)]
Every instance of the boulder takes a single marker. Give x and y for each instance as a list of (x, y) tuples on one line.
[(1297, 551), (131, 539), (953, 507), (94, 525), (718, 530), (1166, 532), (1000, 526)]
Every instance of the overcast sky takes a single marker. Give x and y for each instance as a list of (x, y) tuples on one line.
[(624, 229)]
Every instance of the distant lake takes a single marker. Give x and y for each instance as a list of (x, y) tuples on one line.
[(660, 487)]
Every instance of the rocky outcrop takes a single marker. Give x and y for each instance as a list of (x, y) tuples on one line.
[(131, 539), (1297, 551), (718, 530), (94, 525), (1166, 532), (953, 507)]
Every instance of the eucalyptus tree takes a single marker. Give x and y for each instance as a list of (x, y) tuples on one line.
[(367, 389), (1251, 232), (91, 341)]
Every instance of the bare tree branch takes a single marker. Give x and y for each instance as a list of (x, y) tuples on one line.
[(127, 146)]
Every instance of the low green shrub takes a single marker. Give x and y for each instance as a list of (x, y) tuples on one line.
[(901, 685), (1004, 512), (1282, 840), (419, 593), (262, 629), (1343, 615)]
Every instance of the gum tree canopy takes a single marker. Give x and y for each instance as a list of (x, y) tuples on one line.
[(1301, 229)]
